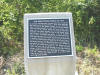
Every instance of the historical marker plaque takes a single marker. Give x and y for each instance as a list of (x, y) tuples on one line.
[(49, 37), (49, 45)]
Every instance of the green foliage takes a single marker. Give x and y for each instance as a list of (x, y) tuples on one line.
[(86, 17), (92, 52), (9, 30), (89, 61), (17, 69), (79, 48)]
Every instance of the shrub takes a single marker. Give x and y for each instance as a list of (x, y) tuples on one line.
[(79, 48)]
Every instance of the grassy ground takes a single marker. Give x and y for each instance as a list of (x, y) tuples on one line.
[(88, 63), (14, 65)]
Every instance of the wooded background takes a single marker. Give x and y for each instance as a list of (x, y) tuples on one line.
[(86, 17)]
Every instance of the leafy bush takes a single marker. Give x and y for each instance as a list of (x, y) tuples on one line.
[(79, 48), (7, 47), (11, 33)]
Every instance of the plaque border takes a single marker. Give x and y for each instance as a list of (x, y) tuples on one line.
[(48, 19)]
